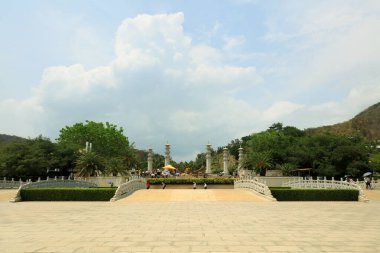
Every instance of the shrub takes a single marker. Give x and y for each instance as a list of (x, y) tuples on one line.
[(283, 194), (280, 188), (190, 180), (67, 194)]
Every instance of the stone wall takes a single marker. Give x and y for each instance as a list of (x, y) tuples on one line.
[(273, 173), (105, 181)]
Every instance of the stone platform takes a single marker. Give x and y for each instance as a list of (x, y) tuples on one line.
[(199, 221)]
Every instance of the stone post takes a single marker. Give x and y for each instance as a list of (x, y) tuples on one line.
[(208, 158), (225, 161), (167, 154), (150, 160), (240, 162)]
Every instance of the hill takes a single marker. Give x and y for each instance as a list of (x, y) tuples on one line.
[(366, 124), (4, 138)]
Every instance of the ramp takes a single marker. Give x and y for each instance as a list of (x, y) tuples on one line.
[(189, 195)]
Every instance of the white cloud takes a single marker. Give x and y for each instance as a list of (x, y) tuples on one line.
[(279, 110), (21, 117), (233, 42), (161, 86)]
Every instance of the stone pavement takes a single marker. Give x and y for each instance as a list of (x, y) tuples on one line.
[(209, 225), (184, 195)]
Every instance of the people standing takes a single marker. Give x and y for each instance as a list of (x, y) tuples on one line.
[(163, 185), (205, 186), (194, 185), (147, 184), (367, 183)]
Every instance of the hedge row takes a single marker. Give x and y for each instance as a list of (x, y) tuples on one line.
[(190, 180), (283, 194), (67, 194)]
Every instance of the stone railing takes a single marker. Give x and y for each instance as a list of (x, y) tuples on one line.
[(52, 183), (133, 184), (253, 184), (10, 184), (374, 184), (327, 184)]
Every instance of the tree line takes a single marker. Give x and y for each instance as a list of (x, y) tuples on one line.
[(111, 153), (288, 148), (284, 148)]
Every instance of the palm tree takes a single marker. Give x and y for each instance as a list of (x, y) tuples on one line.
[(259, 161), (89, 164), (287, 168), (116, 166)]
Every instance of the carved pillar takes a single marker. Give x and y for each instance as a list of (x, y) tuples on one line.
[(208, 158), (240, 162), (225, 161), (150, 160), (167, 154)]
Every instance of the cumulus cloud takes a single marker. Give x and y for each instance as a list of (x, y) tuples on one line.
[(19, 116), (331, 53), (161, 86), (232, 42), (280, 110)]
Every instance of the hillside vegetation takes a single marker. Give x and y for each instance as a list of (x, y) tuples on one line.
[(4, 138), (366, 124)]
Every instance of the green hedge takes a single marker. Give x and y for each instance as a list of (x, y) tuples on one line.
[(283, 194), (190, 180), (67, 194)]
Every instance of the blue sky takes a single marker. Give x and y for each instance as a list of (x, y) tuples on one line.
[(186, 72)]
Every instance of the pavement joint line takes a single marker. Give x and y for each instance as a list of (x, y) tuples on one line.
[(189, 226)]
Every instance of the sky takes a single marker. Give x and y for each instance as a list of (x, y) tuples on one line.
[(186, 73)]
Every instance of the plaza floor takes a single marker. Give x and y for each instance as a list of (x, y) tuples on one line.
[(189, 221)]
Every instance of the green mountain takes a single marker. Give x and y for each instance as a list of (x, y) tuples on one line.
[(366, 124), (4, 138)]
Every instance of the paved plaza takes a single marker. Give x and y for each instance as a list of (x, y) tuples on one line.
[(189, 221)]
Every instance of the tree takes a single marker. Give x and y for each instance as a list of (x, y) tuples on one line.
[(343, 156), (258, 161), (199, 163), (374, 162), (276, 127), (28, 158), (107, 139), (233, 148), (287, 168), (89, 164), (357, 168), (116, 166)]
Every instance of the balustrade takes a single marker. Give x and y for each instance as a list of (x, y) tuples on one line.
[(326, 184), (56, 183), (253, 184), (130, 186)]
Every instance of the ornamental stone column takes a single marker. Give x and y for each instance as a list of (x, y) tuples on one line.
[(225, 161), (240, 162), (208, 158), (167, 154), (150, 160)]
